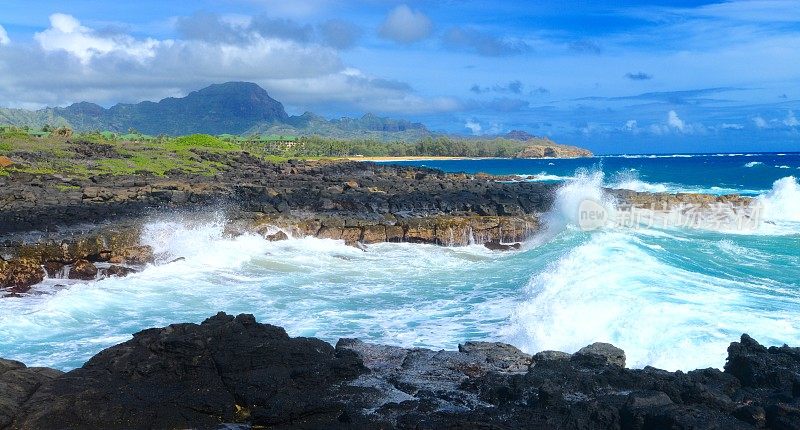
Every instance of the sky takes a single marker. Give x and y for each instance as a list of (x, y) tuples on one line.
[(618, 76)]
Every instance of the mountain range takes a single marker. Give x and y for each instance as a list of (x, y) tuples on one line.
[(232, 107)]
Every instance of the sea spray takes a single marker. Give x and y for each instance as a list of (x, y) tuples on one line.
[(566, 210), (782, 202), (628, 179), (644, 292), (672, 298)]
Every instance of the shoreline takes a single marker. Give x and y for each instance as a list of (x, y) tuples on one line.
[(355, 202), (419, 158), (238, 373)]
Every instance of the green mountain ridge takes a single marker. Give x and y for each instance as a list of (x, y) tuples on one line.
[(240, 108)]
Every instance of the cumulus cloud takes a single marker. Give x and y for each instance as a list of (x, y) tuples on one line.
[(67, 34), (71, 62), (211, 27), (4, 40), (513, 87), (339, 33), (405, 25), (731, 126), (281, 28), (760, 122), (474, 127), (639, 76), (482, 43), (791, 120), (674, 121), (214, 28)]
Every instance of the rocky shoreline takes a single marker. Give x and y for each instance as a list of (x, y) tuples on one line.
[(90, 228), (232, 372), (52, 224)]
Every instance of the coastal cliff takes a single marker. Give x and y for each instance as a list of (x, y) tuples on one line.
[(237, 373), (553, 150)]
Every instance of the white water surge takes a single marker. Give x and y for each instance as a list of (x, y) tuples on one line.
[(671, 298)]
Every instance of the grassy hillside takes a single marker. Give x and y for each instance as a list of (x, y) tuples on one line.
[(59, 151)]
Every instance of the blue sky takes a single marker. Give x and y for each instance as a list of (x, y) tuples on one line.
[(621, 76)]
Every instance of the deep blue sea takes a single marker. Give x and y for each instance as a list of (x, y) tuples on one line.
[(747, 174), (671, 296)]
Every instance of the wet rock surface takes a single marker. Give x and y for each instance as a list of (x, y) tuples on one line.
[(249, 186), (234, 371), (360, 203)]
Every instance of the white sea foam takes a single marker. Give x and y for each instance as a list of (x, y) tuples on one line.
[(586, 185), (782, 203), (616, 287), (629, 180), (544, 176), (404, 294), (753, 164)]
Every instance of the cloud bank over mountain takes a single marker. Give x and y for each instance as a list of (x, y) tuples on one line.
[(616, 77)]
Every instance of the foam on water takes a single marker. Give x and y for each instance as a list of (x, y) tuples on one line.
[(782, 203), (616, 288), (644, 291), (672, 298), (629, 180), (404, 294)]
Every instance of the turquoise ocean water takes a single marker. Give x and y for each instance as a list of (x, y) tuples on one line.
[(672, 297)]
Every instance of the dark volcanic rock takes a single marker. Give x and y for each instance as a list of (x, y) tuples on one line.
[(83, 270), (17, 384), (497, 246), (115, 270), (376, 194), (234, 370), (198, 376)]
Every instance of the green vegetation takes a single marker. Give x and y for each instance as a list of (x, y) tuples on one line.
[(315, 146), (202, 141), (96, 153), (52, 150)]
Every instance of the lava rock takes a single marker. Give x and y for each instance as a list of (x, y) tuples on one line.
[(277, 236), (497, 246), (116, 270), (600, 353), (83, 270), (20, 274), (224, 370), (136, 255)]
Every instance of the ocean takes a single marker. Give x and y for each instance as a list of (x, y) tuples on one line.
[(672, 297)]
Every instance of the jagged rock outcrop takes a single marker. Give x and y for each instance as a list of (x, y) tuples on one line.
[(236, 371), (350, 201), (553, 150), (255, 188)]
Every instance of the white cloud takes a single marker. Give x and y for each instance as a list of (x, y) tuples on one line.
[(631, 125), (760, 122), (675, 121), (791, 120), (4, 40), (474, 127), (67, 34), (72, 62), (405, 25), (729, 126)]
